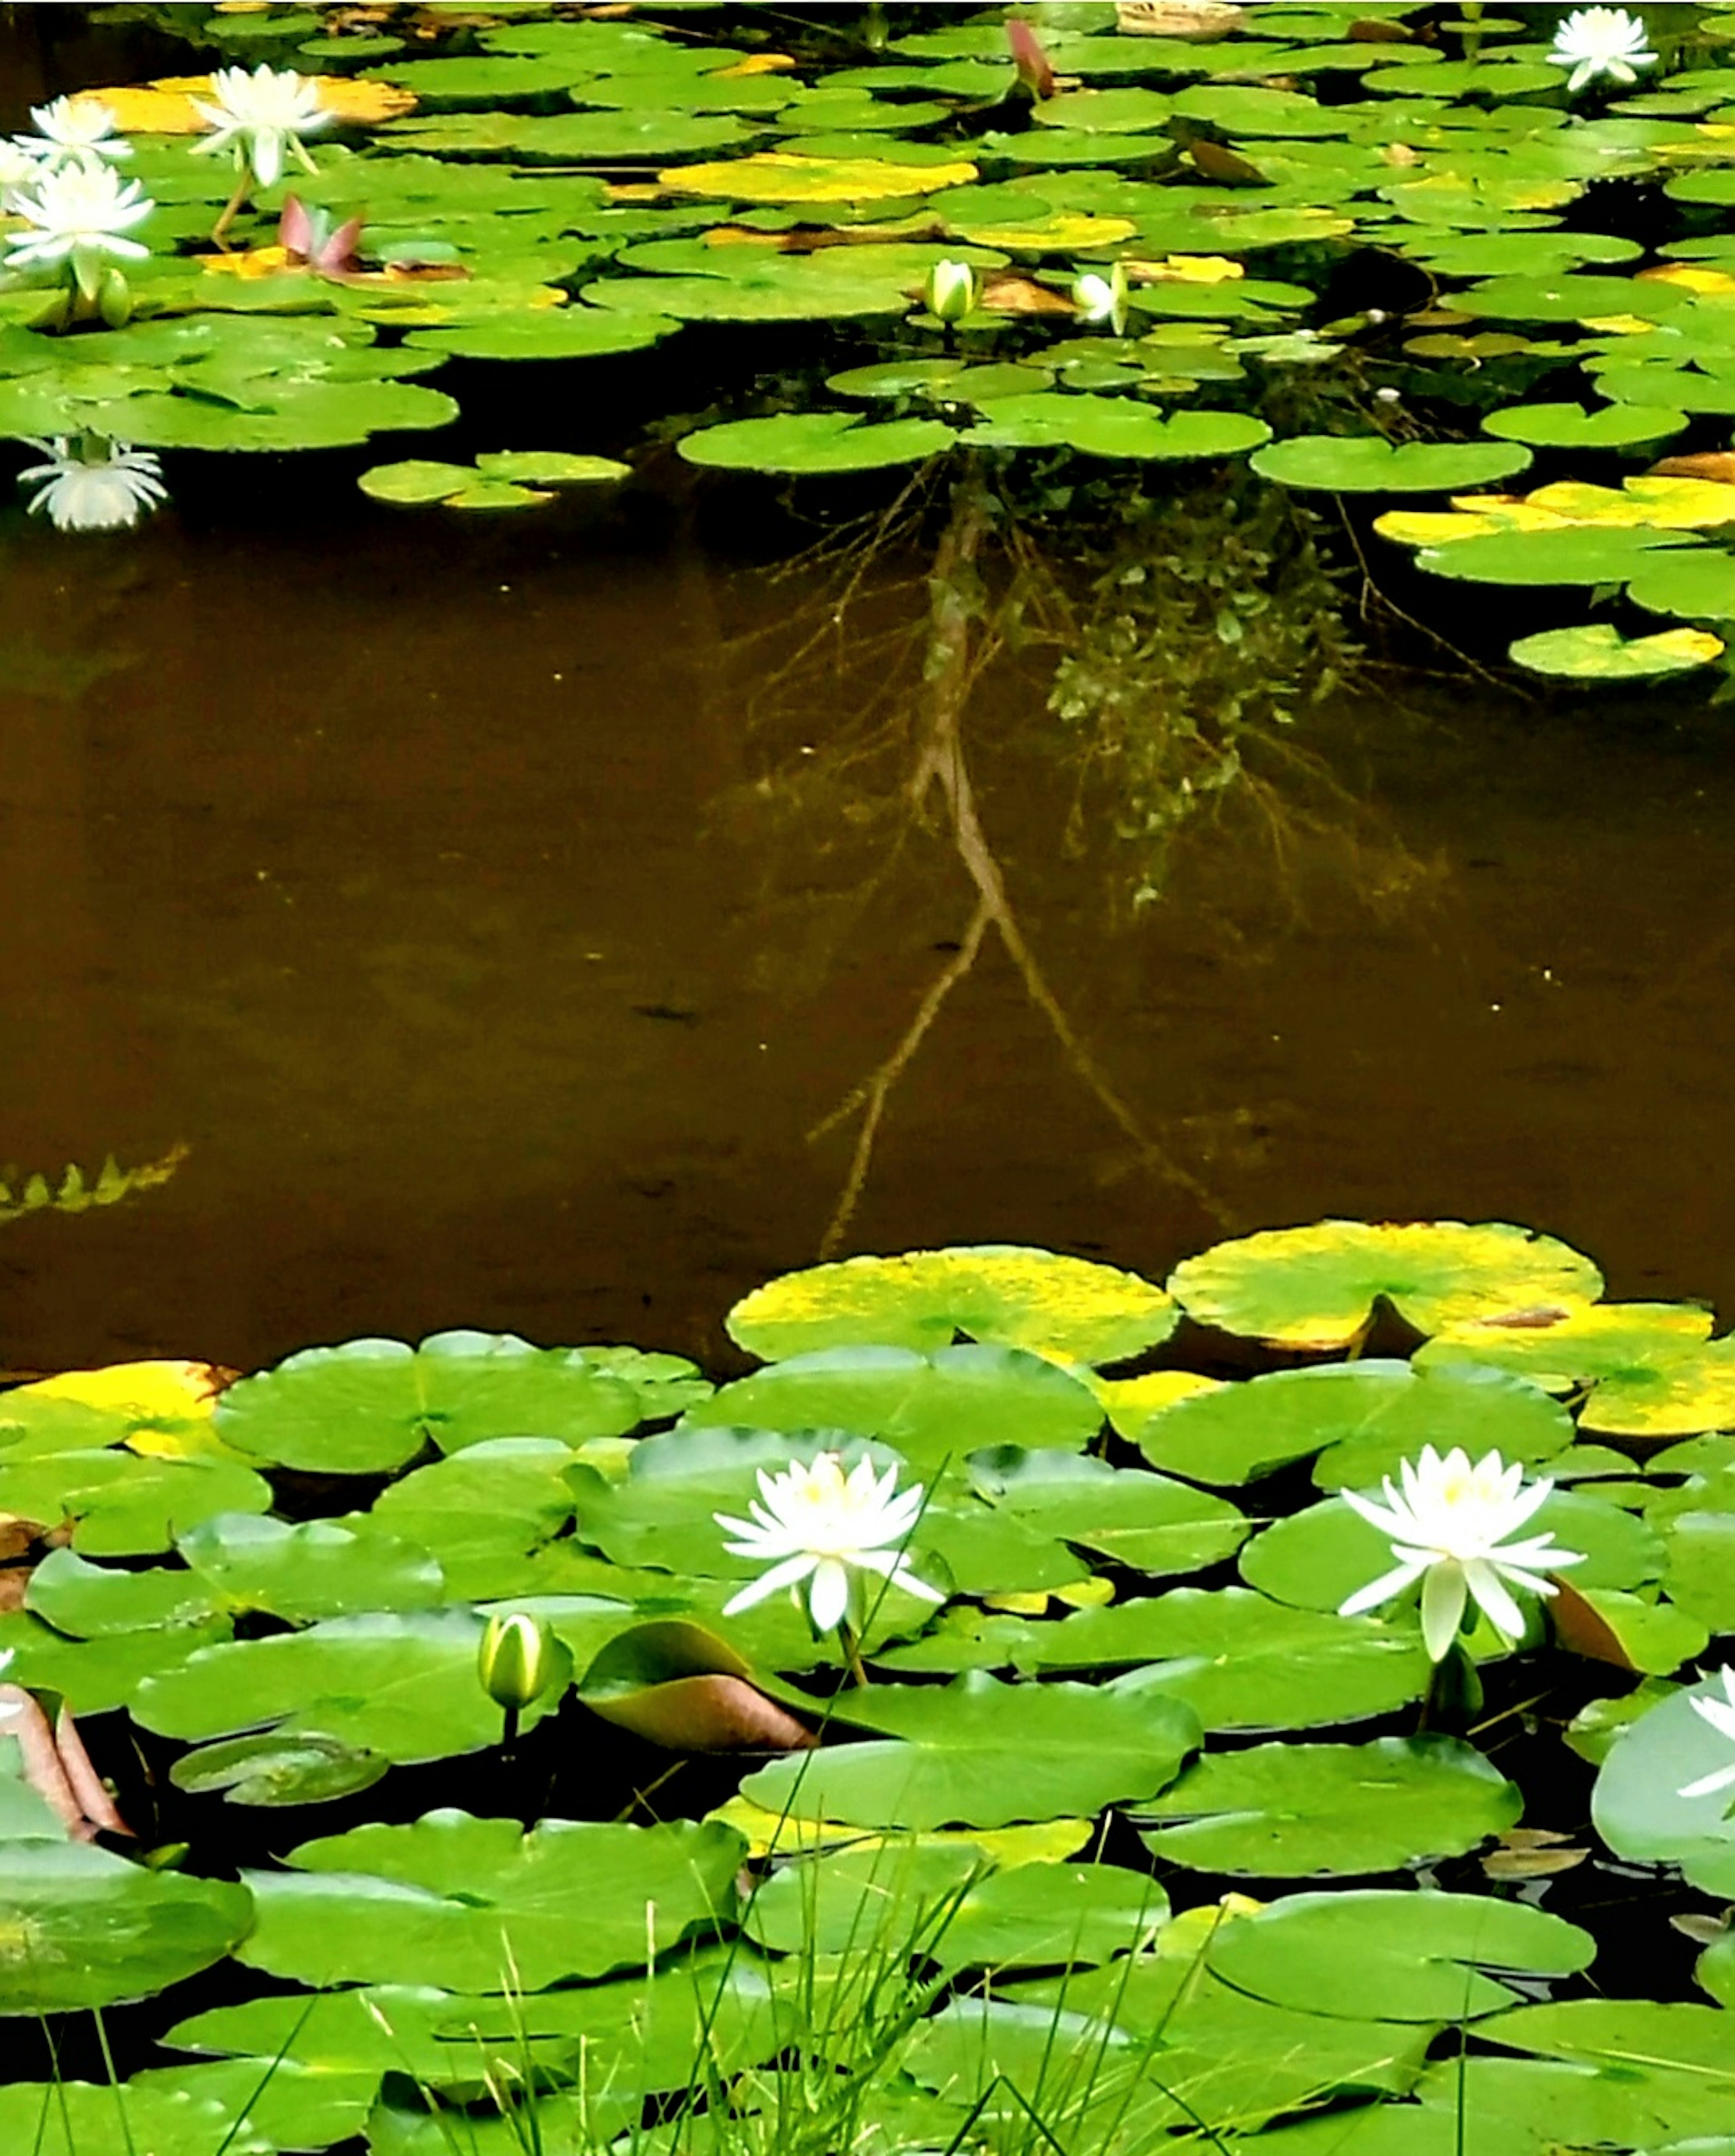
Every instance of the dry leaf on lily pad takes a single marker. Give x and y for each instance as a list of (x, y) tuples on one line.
[(1013, 295), (1717, 464), (1177, 18), (165, 106), (683, 1688)]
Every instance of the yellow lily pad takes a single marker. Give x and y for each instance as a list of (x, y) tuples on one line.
[(1130, 1403), (1063, 232), (165, 106), (777, 175), (1189, 270), (1316, 1287), (1678, 1399), (1068, 1309), (1577, 1344), (1049, 1841)]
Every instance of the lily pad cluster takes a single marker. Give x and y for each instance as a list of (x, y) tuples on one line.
[(1384, 235), (1136, 1835)]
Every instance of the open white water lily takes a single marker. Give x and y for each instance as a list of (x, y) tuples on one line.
[(1450, 1526), (1593, 41), (82, 214), (1722, 1718), (814, 1523), (94, 486), (258, 116), (1100, 298), (71, 129)]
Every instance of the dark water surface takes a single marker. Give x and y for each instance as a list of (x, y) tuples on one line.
[(444, 887)]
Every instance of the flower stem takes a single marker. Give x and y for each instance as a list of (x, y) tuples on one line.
[(852, 1653)]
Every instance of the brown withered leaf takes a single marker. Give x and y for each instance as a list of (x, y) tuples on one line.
[(1004, 292), (1376, 30), (1224, 166), (16, 1535), (1177, 18), (1530, 1863), (14, 1580), (1708, 464), (59, 1768), (1702, 1929), (1579, 1629), (716, 1713)]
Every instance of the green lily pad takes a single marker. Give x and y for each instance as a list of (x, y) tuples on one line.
[(808, 442), (371, 1405), (1316, 1287), (479, 1904), (1286, 1811), (1698, 587), (95, 1675), (72, 2117), (404, 1686), (984, 1753), (1637, 1803), (1577, 555), (545, 333), (1368, 464), (1067, 1308), (1114, 427), (97, 1601), (933, 1408), (1242, 1662), (315, 1569), (1597, 651), (123, 1506), (1146, 1521), (1362, 1419), (298, 1770), (1570, 427), (89, 1929), (1410, 1957)]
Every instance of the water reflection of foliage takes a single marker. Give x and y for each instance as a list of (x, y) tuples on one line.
[(1211, 626), (1194, 639)]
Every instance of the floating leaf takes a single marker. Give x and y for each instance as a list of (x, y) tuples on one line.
[(1002, 1295), (984, 1753), (371, 1405), (1597, 651), (1408, 1957), (780, 175), (1368, 464), (809, 442), (1316, 1287), (89, 1929), (1284, 1811)]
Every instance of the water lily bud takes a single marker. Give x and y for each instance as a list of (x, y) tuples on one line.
[(114, 300), (516, 1660), (1100, 298), (951, 290)]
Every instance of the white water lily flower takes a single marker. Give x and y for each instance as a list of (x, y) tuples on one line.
[(950, 290), (82, 214), (259, 115), (1102, 299), (71, 129), (94, 492), (1593, 41), (818, 1525), (1450, 1527), (1722, 1718)]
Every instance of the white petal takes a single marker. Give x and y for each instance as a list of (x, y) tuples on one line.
[(1488, 1588), (786, 1575), (1443, 1592), (1381, 1589), (829, 1597)]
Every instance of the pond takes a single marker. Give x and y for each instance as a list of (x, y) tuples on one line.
[(863, 1133)]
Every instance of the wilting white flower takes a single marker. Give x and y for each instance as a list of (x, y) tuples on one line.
[(817, 1524), (1593, 41), (1722, 1718), (259, 115), (70, 131), (951, 290), (82, 213), (1102, 299), (93, 492), (1449, 1528)]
